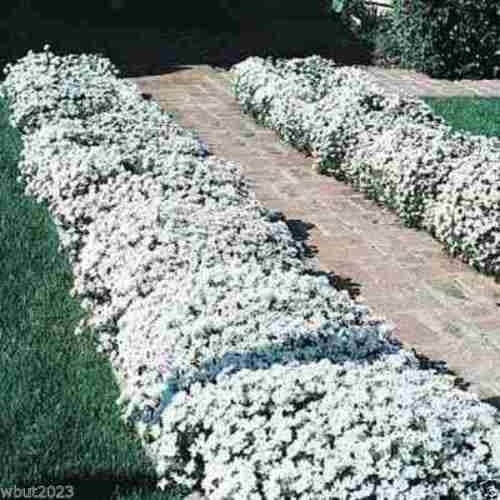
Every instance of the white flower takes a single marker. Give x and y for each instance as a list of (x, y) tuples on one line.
[(245, 373), (391, 147), (162, 484)]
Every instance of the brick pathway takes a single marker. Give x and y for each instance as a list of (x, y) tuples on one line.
[(441, 307), (419, 84)]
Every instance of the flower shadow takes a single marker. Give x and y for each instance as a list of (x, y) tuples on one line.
[(301, 232)]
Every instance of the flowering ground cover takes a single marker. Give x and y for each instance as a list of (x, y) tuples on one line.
[(244, 372), (476, 115), (393, 148), (58, 419)]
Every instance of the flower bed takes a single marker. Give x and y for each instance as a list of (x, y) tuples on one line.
[(246, 374), (391, 147)]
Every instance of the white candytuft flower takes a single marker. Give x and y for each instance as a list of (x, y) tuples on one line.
[(246, 374), (393, 148)]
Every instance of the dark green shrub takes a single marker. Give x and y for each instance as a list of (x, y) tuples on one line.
[(362, 20), (180, 14), (261, 11), (444, 38)]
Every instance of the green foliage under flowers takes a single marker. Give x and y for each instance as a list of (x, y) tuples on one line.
[(59, 423), (445, 38)]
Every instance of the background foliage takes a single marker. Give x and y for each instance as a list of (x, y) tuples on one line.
[(214, 13), (142, 40), (445, 38)]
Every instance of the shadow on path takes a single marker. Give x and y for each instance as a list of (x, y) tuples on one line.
[(493, 401), (301, 232)]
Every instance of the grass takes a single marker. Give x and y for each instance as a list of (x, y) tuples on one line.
[(59, 423), (476, 115)]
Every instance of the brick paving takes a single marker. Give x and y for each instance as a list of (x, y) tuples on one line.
[(440, 306), (421, 85)]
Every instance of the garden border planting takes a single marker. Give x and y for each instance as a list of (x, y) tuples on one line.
[(391, 147), (245, 373), (50, 382)]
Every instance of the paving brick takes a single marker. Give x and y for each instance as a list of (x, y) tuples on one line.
[(414, 333), (399, 272), (410, 82)]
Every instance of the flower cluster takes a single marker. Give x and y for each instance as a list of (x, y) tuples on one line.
[(468, 213), (245, 373), (47, 87), (385, 430), (391, 147)]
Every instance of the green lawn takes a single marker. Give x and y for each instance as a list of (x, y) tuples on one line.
[(59, 423), (479, 116)]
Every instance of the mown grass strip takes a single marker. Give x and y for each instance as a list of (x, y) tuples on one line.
[(476, 115), (59, 423)]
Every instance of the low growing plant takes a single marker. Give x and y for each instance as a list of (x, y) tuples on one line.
[(244, 372), (392, 147)]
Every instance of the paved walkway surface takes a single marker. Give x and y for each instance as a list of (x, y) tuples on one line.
[(440, 306), (419, 84)]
